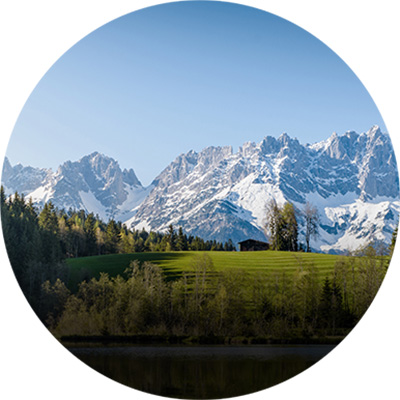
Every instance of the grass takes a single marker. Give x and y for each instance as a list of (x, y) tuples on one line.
[(175, 263)]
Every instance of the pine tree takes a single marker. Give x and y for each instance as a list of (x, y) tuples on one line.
[(171, 238), (90, 235), (326, 304), (112, 237), (181, 243), (51, 245), (48, 218), (100, 239), (231, 246), (2, 196)]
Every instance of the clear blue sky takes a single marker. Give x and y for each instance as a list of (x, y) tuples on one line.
[(167, 79)]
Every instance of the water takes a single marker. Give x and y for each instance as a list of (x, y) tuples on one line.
[(201, 372)]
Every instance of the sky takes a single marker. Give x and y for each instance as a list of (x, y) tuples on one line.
[(164, 80)]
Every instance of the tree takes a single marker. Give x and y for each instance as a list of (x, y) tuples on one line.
[(100, 239), (2, 196), (181, 243), (282, 226), (112, 237), (311, 217), (51, 244), (48, 218), (90, 235), (274, 225), (171, 239), (290, 227), (394, 238), (77, 237)]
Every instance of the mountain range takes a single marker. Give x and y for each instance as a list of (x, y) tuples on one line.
[(219, 194)]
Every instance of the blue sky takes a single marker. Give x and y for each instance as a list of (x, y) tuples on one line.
[(180, 76)]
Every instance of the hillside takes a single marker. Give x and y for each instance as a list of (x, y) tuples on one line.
[(175, 263)]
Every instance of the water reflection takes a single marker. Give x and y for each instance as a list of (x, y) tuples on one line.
[(202, 372)]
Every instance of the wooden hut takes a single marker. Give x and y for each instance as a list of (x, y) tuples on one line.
[(253, 245)]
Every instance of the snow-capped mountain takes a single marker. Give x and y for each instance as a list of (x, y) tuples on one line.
[(351, 179), (220, 194), (95, 183)]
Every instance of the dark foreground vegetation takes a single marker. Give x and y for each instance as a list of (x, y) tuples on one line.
[(38, 242), (204, 306), (201, 305)]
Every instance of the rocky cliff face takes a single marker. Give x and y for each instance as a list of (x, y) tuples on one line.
[(219, 194), (95, 183), (352, 179)]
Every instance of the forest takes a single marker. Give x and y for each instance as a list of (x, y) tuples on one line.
[(230, 306), (201, 303), (37, 242)]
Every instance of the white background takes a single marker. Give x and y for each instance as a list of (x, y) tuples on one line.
[(34, 34)]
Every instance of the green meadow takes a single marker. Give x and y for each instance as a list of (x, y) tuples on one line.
[(175, 263)]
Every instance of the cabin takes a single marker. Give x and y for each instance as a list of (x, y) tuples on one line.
[(253, 245)]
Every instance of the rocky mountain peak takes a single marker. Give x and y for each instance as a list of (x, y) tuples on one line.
[(374, 132), (212, 156), (351, 135), (130, 177), (284, 138), (269, 145), (230, 191), (352, 179), (7, 170)]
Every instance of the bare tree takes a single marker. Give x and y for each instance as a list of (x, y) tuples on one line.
[(311, 216)]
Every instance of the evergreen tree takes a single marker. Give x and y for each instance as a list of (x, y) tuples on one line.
[(171, 238), (181, 243), (51, 245), (112, 237), (48, 218), (100, 239), (90, 235), (326, 303), (231, 246), (332, 314), (125, 244), (65, 235), (77, 234), (2, 196)]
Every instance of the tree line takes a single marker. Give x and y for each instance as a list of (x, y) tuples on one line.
[(206, 303), (282, 226), (78, 233), (32, 244), (37, 242), (199, 303)]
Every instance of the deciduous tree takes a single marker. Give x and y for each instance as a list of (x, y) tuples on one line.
[(311, 218)]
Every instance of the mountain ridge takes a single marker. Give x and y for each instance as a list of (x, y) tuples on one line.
[(220, 194)]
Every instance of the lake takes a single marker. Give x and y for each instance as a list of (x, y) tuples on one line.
[(201, 372)]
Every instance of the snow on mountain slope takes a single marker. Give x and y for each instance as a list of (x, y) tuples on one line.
[(219, 194), (95, 183), (23, 179), (361, 222)]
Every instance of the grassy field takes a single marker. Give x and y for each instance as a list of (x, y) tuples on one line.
[(174, 263)]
